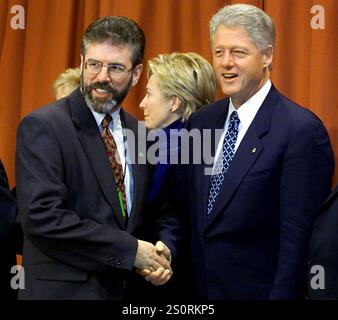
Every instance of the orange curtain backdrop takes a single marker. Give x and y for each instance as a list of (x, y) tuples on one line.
[(305, 67)]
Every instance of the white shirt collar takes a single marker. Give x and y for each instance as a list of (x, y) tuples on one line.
[(115, 116), (247, 111)]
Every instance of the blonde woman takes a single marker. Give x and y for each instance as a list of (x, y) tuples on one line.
[(178, 84), (66, 83)]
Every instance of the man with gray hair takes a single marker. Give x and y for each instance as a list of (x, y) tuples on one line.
[(272, 169)]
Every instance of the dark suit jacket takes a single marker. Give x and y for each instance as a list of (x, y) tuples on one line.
[(254, 244), (324, 250), (76, 244), (8, 224), (166, 191)]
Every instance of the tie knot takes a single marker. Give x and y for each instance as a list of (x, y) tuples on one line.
[(234, 119), (106, 120)]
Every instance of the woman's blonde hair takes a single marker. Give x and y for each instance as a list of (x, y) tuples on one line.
[(187, 76), (66, 83)]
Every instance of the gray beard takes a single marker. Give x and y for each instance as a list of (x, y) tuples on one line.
[(100, 107), (104, 107)]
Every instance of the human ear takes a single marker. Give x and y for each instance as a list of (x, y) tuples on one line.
[(137, 74), (268, 56), (175, 103)]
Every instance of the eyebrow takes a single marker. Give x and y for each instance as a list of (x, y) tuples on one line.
[(235, 46), (240, 48), (109, 64)]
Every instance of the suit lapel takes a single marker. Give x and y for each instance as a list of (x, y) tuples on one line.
[(137, 173), (90, 138), (203, 171), (246, 155), (330, 198)]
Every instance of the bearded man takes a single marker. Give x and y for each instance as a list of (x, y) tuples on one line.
[(80, 197)]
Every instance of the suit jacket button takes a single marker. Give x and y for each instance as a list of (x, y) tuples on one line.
[(207, 241), (118, 262), (112, 260)]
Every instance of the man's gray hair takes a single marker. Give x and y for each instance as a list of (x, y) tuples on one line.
[(255, 21)]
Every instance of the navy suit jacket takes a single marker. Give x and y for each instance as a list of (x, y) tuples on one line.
[(8, 235), (254, 244), (76, 244), (323, 251)]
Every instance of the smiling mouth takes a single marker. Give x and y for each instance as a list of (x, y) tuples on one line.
[(229, 76), (101, 91)]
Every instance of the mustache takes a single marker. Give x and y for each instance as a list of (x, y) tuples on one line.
[(100, 85)]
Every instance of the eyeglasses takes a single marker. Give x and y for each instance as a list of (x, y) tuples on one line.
[(115, 71)]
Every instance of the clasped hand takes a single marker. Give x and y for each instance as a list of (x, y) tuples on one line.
[(153, 262)]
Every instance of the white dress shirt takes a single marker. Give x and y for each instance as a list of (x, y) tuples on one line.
[(246, 113), (116, 129)]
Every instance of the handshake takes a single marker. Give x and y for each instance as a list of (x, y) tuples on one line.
[(153, 262)]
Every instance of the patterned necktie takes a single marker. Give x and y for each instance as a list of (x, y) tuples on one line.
[(115, 162), (223, 160)]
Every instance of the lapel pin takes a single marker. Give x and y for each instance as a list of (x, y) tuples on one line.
[(253, 150)]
